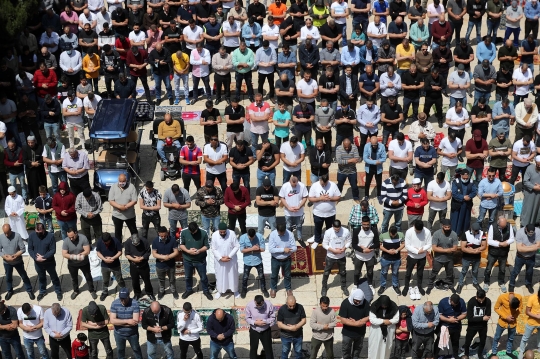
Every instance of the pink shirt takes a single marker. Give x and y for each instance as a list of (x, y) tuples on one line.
[(153, 39), (74, 17), (259, 127)]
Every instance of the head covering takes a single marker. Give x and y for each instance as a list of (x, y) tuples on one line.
[(30, 138), (530, 227), (124, 293), (416, 181), (11, 189), (500, 132), (357, 294), (384, 313), (404, 309), (87, 192), (222, 226), (537, 158), (93, 309), (476, 227), (477, 135), (267, 182)]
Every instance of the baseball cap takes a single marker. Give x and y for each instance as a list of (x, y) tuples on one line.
[(124, 293), (267, 182)]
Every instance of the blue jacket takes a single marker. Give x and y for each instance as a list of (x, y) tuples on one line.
[(381, 156), (246, 33), (46, 247), (374, 54)]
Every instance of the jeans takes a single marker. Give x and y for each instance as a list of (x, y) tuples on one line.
[(295, 221), (482, 213), (133, 342), (524, 339), (493, 26), (518, 265), (262, 220), (255, 139), (352, 347), (236, 177), (185, 79), (387, 215), (7, 343), (481, 94), (387, 134), (207, 89), (29, 346), (51, 129), (502, 268), (318, 223), (22, 273), (215, 348), (261, 175), (510, 340), (13, 181), (42, 269), (173, 225), (515, 31), (159, 148), (151, 348), (260, 274), (385, 264), (285, 267), (189, 268), (94, 348), (206, 223), (155, 219), (167, 80), (247, 77), (453, 101), (286, 344), (470, 26), (329, 264), (353, 182), (477, 174), (465, 263)]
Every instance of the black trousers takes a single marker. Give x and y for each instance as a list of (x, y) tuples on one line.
[(136, 273), (56, 344), (459, 133), (223, 80), (3, 182), (265, 337), (502, 268), (411, 263), (241, 220), (94, 348), (516, 171), (108, 84), (437, 266), (455, 334), (401, 172), (304, 135), (184, 346), (119, 226), (422, 342), (74, 273), (155, 219), (77, 185), (187, 178), (207, 89), (438, 106), (358, 264), (222, 179), (34, 128), (73, 80), (95, 223), (247, 77), (144, 81), (457, 29), (264, 77), (329, 264), (531, 26), (378, 180), (326, 136), (363, 140), (471, 332)]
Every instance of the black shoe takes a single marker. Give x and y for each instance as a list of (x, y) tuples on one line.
[(32, 202), (103, 296), (324, 291), (26, 202), (440, 123), (151, 297), (255, 205), (218, 100), (73, 295), (40, 296), (138, 295), (421, 291), (228, 101), (405, 291), (477, 286), (59, 296), (396, 289), (186, 294), (302, 243), (94, 295), (265, 293), (243, 293), (511, 355), (459, 288), (194, 100), (160, 296), (460, 158), (428, 291), (171, 101), (345, 291), (381, 290), (530, 288), (175, 295), (158, 101), (310, 204), (208, 295), (31, 295)]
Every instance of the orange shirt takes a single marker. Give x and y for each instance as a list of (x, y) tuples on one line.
[(277, 11)]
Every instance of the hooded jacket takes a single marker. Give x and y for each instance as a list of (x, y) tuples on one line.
[(226, 327), (64, 202)]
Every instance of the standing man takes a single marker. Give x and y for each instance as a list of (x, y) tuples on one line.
[(393, 195), (222, 66), (42, 249), (237, 199), (158, 321), (14, 209), (364, 243), (76, 249), (53, 156), (281, 245), (125, 312), (30, 320), (95, 319), (64, 208), (109, 250), (177, 200), (209, 199), (12, 248), (452, 311), (523, 152), (489, 191), (292, 156), (165, 250), (190, 158), (137, 251), (325, 196), (76, 165), (478, 315), (150, 203), (57, 322), (224, 248), (293, 197), (354, 315), (438, 193), (266, 201), (261, 316), (347, 157), (88, 206), (123, 198), (500, 236), (444, 245), (531, 189), (189, 325), (508, 307), (391, 244), (472, 245), (194, 245), (425, 320), (322, 322), (418, 242), (34, 169), (290, 320), (527, 244), (252, 245), (221, 327), (336, 241)]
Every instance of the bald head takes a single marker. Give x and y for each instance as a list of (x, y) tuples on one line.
[(155, 307), (6, 228), (122, 178), (220, 314), (374, 140), (502, 222), (529, 354), (291, 301)]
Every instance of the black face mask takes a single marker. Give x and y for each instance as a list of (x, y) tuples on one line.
[(447, 233), (41, 234)]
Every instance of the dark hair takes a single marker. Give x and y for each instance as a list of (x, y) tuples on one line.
[(190, 139), (71, 230), (235, 186), (492, 169), (515, 303), (480, 293), (324, 178), (251, 232), (393, 230), (82, 337), (281, 227), (175, 188), (187, 306), (455, 298), (26, 308), (324, 300), (527, 138), (259, 299), (336, 223), (440, 176), (418, 225), (193, 226)]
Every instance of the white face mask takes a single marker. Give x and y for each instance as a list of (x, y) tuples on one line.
[(324, 108), (122, 184)]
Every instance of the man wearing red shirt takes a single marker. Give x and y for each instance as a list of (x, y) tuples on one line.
[(191, 158), (236, 199), (416, 201), (45, 82), (137, 59)]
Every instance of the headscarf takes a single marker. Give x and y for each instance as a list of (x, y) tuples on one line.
[(357, 294), (384, 313), (404, 309)]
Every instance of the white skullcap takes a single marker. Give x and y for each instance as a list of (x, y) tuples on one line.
[(11, 189), (30, 138)]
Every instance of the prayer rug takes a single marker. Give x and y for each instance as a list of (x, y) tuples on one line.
[(301, 262), (31, 218), (124, 264)]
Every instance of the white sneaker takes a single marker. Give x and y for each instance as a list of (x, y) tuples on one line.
[(372, 289), (217, 295), (412, 293), (311, 239), (236, 295), (314, 245), (417, 295)]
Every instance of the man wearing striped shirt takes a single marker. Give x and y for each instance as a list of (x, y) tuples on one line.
[(347, 157), (394, 196), (191, 158)]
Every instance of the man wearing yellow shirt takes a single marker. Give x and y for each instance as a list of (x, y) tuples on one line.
[(180, 62), (508, 308), (405, 55), (533, 321), (168, 128), (90, 65)]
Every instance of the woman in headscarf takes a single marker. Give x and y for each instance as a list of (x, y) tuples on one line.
[(384, 316), (353, 314)]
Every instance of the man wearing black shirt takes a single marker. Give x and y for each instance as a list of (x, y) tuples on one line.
[(285, 91), (330, 32), (119, 18), (235, 115), (399, 28), (507, 54), (308, 54), (398, 8), (290, 32), (290, 320), (481, 124), (354, 314), (345, 121), (298, 12), (411, 83), (368, 84), (503, 81), (240, 158), (303, 115), (160, 60), (391, 117), (442, 56), (202, 12), (529, 48), (172, 37), (434, 86), (137, 251), (360, 11), (329, 87), (266, 200), (258, 10), (183, 15), (210, 119), (320, 159), (268, 157), (166, 15)]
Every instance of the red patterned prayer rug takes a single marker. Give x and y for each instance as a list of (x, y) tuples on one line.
[(301, 262)]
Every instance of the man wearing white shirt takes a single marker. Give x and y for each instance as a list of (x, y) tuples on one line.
[(457, 118), (216, 156), (336, 241), (270, 32), (523, 153), (90, 103), (72, 112), (292, 156), (439, 193), (71, 65), (307, 88), (200, 60), (87, 18), (522, 79), (400, 153), (377, 31), (96, 6), (293, 195), (339, 10), (309, 32), (231, 34), (417, 244), (193, 35), (31, 323), (102, 17), (324, 195), (526, 118), (50, 40), (189, 325), (137, 37), (450, 150)]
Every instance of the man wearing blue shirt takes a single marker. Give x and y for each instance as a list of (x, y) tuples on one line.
[(251, 246), (165, 249), (503, 112), (281, 246), (532, 13), (381, 8), (489, 191), (350, 55), (124, 316), (486, 50), (452, 310), (252, 34)]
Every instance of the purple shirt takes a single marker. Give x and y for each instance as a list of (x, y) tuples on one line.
[(265, 313)]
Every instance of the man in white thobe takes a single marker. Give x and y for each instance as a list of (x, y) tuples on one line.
[(224, 247), (14, 208)]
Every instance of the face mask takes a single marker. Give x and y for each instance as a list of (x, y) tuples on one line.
[(70, 52), (465, 181), (324, 108), (122, 184)]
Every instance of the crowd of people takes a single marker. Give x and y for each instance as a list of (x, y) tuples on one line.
[(394, 59)]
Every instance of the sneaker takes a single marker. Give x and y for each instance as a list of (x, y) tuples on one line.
[(345, 291), (160, 296), (208, 295), (31, 295), (193, 101), (314, 245), (459, 288), (396, 289), (381, 290), (311, 240), (94, 295), (40, 296), (177, 101), (265, 293), (73, 295), (440, 123), (186, 294), (477, 286), (187, 101), (402, 125), (175, 295), (412, 294), (486, 287), (236, 295), (217, 295), (103, 296), (530, 288), (228, 101), (503, 288), (59, 296), (372, 289), (405, 291)]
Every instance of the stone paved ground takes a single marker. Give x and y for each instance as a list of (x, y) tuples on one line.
[(307, 290)]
